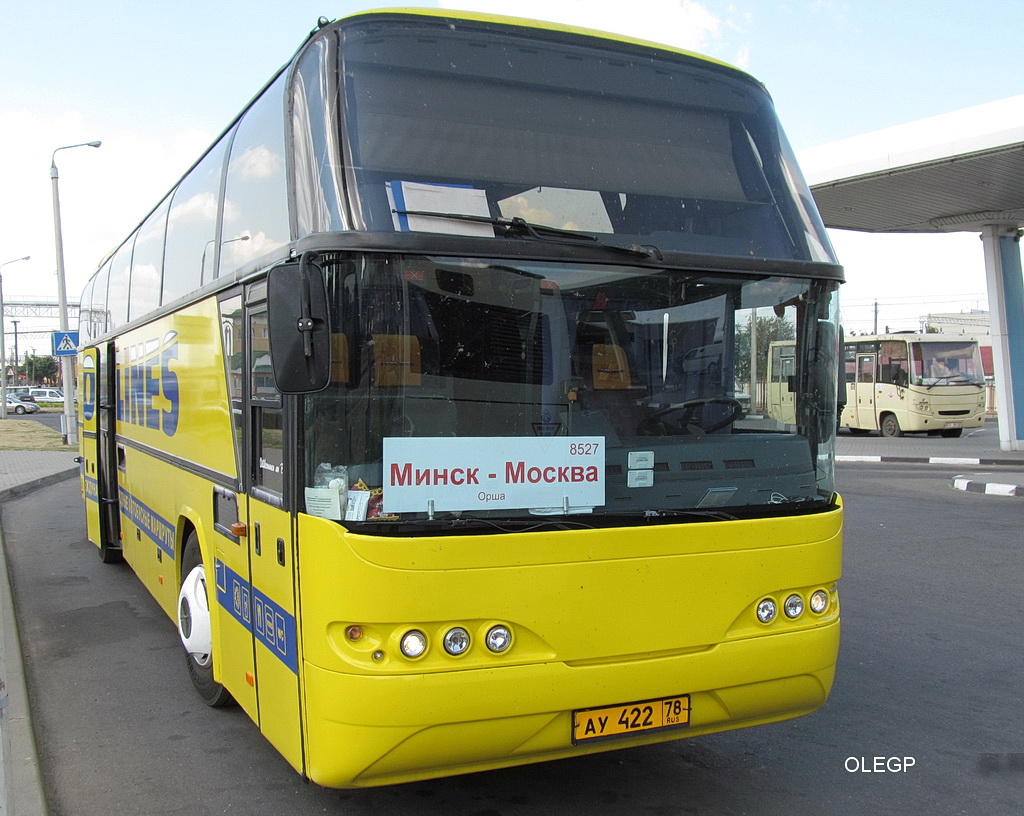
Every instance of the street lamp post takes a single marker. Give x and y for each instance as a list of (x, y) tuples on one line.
[(67, 376), (222, 243), (3, 353)]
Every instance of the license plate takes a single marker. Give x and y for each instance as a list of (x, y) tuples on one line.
[(954, 424), (630, 718)]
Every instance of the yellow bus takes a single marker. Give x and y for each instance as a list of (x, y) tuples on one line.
[(913, 383), (393, 403)]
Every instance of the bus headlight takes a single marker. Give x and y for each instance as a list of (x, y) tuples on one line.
[(498, 639), (414, 643), (456, 641), (819, 601), (767, 610), (794, 606)]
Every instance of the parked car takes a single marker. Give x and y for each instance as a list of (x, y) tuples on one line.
[(703, 360), (16, 406), (46, 395), (21, 392)]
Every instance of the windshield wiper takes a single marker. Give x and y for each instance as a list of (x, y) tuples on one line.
[(516, 227), (659, 516)]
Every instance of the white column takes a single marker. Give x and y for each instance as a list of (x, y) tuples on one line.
[(1006, 305)]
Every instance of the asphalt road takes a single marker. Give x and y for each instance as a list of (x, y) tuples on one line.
[(925, 715), (51, 419)]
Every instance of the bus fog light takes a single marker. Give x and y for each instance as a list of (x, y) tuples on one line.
[(767, 610), (819, 601), (456, 641), (499, 638), (794, 606), (414, 643)]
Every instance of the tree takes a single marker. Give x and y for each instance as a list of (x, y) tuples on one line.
[(769, 329), (39, 369)]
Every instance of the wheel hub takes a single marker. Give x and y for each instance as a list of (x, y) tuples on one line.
[(194, 616)]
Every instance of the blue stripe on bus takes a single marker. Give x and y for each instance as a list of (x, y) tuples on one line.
[(155, 526), (92, 489), (269, 623)]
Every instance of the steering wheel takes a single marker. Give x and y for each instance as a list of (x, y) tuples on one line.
[(681, 418)]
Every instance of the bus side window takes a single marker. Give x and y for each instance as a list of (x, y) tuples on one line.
[(893, 362), (233, 338), (255, 196), (191, 227), (268, 460), (866, 369)]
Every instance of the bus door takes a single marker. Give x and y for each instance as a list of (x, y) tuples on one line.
[(89, 443), (270, 534), (865, 392), (100, 412)]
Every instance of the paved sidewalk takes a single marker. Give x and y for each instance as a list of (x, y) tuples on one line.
[(24, 471), (21, 789)]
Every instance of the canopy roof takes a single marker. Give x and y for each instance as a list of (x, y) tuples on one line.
[(951, 173)]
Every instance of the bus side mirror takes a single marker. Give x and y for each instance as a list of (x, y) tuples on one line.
[(299, 325)]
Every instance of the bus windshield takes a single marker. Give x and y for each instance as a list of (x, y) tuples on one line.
[(436, 360), (947, 363), (664, 151)]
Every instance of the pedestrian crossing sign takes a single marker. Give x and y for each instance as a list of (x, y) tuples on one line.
[(65, 343)]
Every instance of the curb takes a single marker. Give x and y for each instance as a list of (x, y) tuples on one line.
[(988, 488), (962, 482), (933, 460), (21, 784), (44, 481)]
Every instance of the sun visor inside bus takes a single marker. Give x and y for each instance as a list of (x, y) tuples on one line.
[(300, 332)]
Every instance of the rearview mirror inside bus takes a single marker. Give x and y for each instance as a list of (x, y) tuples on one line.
[(300, 332)]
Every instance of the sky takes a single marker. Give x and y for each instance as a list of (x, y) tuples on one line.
[(158, 82)]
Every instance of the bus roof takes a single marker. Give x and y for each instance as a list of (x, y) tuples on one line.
[(540, 25)]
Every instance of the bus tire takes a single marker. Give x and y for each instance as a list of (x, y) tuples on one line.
[(194, 626), (890, 426)]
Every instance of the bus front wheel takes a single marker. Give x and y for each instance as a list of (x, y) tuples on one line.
[(194, 626), (891, 426)]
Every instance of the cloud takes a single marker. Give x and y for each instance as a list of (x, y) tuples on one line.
[(258, 162), (199, 209)]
